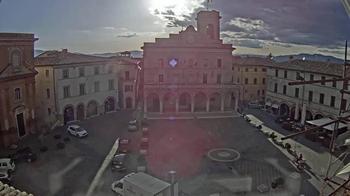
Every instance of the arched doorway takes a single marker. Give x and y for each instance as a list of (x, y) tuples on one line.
[(80, 112), (110, 104), (229, 102), (185, 102), (153, 102), (169, 102), (284, 109), (68, 114), (200, 102), (215, 102), (292, 113), (128, 103), (91, 109), (309, 115), (318, 116)]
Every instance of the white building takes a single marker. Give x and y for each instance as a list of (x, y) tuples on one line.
[(319, 100), (73, 87)]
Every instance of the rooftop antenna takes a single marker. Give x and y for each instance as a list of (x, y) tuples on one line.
[(208, 3)]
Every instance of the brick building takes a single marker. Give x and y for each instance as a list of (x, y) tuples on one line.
[(17, 87)]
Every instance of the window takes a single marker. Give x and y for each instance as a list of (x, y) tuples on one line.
[(255, 80), (284, 89), (47, 72), (16, 58), (128, 88), (258, 93), (49, 111), (343, 105), (346, 86), (111, 84), (161, 62), (332, 104), (219, 63), (97, 86), (334, 83), (81, 71), (285, 74), (275, 89), (321, 98), (66, 91), (276, 72), (246, 70), (161, 78), (97, 70), (323, 78), (263, 92), (218, 79), (246, 81), (110, 69), (311, 77), (233, 68), (48, 93), (238, 81), (311, 94), (256, 69), (205, 78), (296, 93), (127, 75), (263, 80), (65, 73), (263, 69), (17, 94), (81, 89)]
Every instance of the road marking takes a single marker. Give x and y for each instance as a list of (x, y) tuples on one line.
[(103, 168)]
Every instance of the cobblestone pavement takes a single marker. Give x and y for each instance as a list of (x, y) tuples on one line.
[(50, 176)]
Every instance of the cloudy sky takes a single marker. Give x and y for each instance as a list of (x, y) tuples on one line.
[(252, 26)]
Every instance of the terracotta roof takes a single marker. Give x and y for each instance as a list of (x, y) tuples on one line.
[(312, 66), (63, 57), (252, 61)]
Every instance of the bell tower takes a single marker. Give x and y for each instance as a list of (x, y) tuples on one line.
[(208, 22)]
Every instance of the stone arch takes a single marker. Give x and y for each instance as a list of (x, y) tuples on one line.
[(92, 108), (80, 111), (153, 102), (185, 102), (215, 102), (309, 115), (68, 114), (318, 116), (169, 102), (110, 104), (200, 102), (284, 109), (229, 101), (292, 113)]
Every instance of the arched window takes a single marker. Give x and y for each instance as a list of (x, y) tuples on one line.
[(16, 58), (210, 31)]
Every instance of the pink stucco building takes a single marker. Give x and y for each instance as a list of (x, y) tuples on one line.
[(190, 71)]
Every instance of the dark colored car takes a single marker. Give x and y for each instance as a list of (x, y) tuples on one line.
[(118, 162), (24, 154)]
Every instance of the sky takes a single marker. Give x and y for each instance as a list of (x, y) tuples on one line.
[(252, 26)]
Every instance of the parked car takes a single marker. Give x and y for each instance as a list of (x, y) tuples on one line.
[(118, 162), (76, 130), (132, 126), (5, 177), (117, 186), (25, 154), (255, 105), (7, 164)]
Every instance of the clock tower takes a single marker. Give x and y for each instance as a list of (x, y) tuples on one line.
[(208, 23)]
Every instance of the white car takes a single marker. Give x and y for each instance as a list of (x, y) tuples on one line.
[(7, 164), (117, 186), (76, 130)]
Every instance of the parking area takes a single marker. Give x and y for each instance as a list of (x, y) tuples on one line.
[(70, 170)]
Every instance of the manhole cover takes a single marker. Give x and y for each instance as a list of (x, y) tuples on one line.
[(223, 155)]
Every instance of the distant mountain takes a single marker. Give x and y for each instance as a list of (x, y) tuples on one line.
[(38, 52), (310, 57), (133, 54)]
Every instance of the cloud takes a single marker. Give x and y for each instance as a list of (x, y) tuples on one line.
[(249, 43), (127, 35), (109, 28)]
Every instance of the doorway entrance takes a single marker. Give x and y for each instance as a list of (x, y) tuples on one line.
[(20, 125)]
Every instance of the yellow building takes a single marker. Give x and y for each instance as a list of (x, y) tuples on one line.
[(252, 75)]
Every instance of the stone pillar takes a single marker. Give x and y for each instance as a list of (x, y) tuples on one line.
[(296, 114), (222, 103), (145, 106), (192, 104), (177, 105), (161, 106), (236, 102), (303, 114), (208, 105)]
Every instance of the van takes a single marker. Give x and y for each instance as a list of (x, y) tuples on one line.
[(7, 164)]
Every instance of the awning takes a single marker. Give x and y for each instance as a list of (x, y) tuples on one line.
[(268, 104), (275, 106), (344, 172), (323, 121)]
